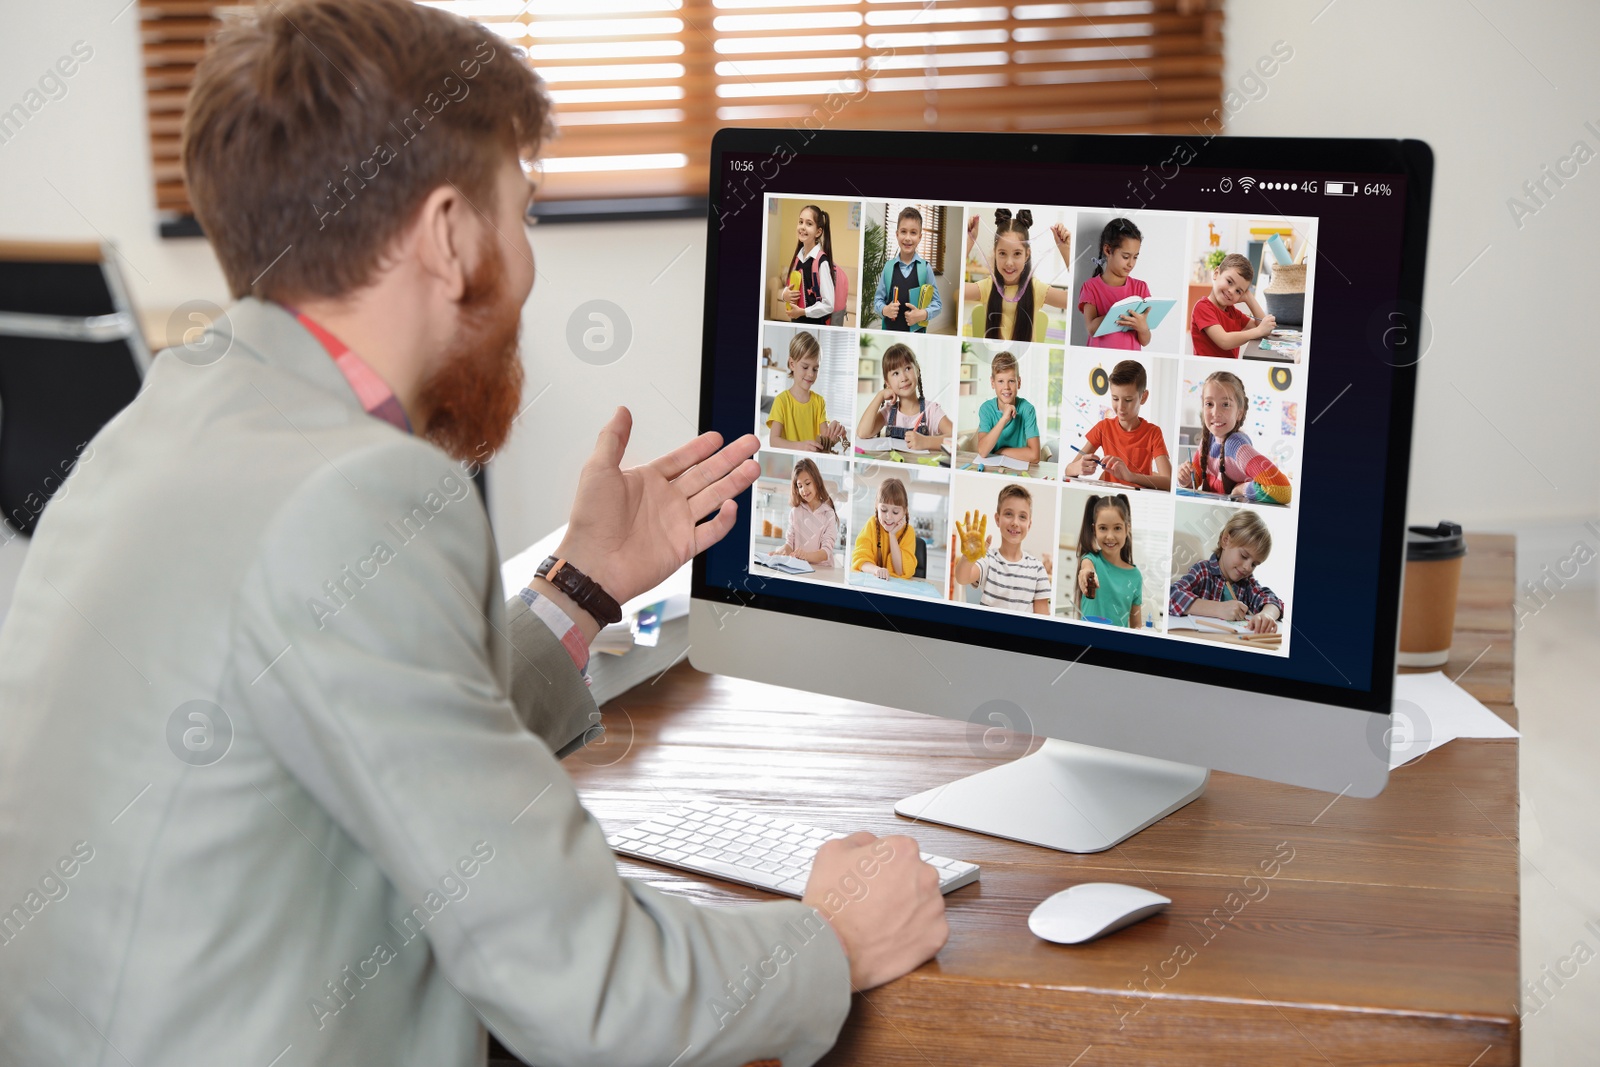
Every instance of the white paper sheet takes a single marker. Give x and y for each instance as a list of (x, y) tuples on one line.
[(1431, 710)]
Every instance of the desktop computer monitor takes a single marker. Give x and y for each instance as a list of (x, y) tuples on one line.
[(1098, 439)]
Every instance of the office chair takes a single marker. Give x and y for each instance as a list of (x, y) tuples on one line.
[(71, 357), (922, 559)]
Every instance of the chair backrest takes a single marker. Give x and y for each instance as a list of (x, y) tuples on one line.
[(71, 357), (922, 559)]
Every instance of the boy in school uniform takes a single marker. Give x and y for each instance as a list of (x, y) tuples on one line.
[(902, 278), (1007, 576), (1131, 450)]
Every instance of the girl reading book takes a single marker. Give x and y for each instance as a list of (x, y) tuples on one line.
[(1112, 281)]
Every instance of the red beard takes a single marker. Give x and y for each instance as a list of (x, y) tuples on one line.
[(474, 395)]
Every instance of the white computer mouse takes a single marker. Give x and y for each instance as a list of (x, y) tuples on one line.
[(1087, 911)]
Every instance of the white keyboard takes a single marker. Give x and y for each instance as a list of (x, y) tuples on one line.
[(754, 850)]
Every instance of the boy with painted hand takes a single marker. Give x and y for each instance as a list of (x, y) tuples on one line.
[(1007, 577)]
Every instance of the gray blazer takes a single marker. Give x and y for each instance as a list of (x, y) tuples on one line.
[(276, 772)]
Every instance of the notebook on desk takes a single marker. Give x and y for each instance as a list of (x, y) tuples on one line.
[(787, 564), (1205, 624), (998, 460)]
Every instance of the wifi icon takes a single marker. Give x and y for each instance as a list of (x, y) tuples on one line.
[(1246, 183)]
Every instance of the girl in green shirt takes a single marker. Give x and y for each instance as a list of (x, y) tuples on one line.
[(1110, 588)]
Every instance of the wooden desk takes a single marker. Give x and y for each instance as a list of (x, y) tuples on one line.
[(1391, 936)]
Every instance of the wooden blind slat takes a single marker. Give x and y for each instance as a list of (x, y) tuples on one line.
[(1133, 66)]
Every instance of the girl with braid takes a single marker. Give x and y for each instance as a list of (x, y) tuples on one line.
[(900, 409), (812, 302), (1113, 280), (1225, 461), (1014, 294)]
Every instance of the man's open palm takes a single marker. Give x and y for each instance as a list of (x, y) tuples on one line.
[(633, 527)]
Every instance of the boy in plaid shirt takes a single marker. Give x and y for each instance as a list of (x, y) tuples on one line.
[(1223, 586)]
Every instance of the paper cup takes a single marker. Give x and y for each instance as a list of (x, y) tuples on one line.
[(1433, 578)]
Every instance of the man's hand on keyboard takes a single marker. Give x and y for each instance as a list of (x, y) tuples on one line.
[(883, 902)]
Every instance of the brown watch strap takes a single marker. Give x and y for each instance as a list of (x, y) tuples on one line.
[(584, 590)]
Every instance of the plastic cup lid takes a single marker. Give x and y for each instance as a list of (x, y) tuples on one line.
[(1444, 541)]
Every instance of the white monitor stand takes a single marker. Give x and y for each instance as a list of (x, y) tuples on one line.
[(1063, 795)]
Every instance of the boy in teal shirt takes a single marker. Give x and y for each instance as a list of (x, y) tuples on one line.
[(903, 276), (1007, 425)]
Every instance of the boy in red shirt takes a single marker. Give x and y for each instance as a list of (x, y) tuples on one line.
[(1133, 450), (1216, 326)]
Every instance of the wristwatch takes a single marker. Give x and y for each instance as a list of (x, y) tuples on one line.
[(584, 590)]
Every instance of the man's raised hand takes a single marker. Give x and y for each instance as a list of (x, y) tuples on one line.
[(632, 527)]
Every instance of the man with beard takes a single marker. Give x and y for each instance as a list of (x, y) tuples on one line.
[(276, 761)]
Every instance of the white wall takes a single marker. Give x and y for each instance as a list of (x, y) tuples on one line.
[(80, 167), (1506, 415), (1498, 90)]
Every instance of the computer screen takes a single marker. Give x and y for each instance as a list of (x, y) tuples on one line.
[(1081, 397)]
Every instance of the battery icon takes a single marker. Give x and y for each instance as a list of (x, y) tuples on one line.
[(1339, 188)]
